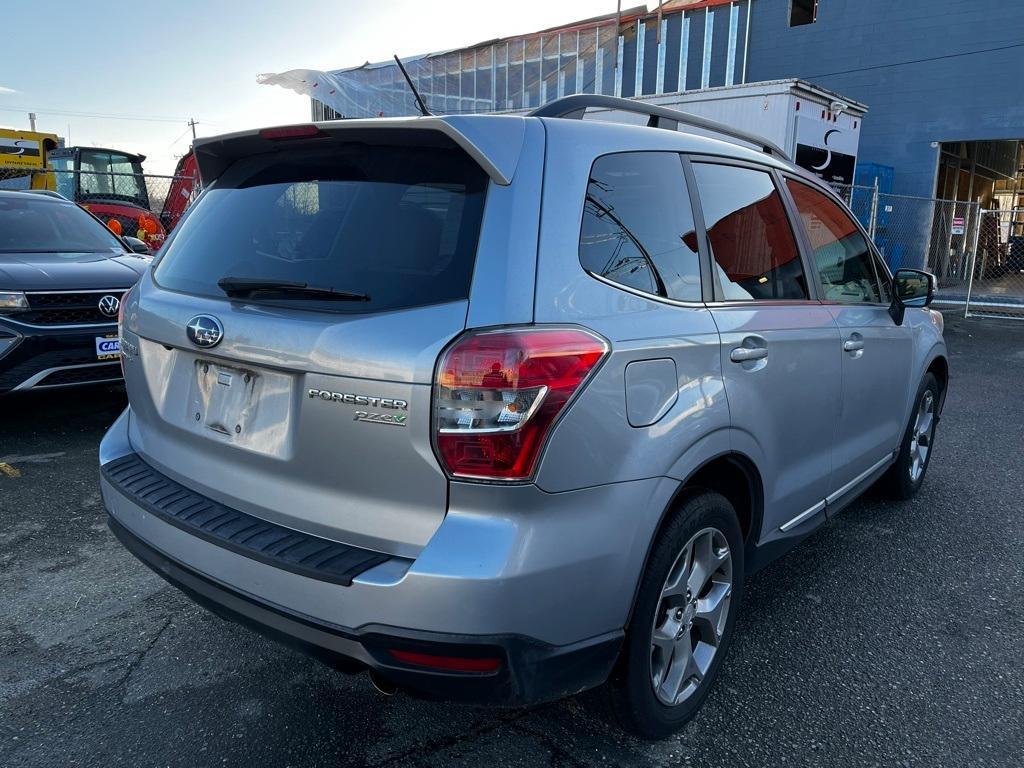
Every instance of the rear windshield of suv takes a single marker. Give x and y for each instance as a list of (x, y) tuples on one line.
[(395, 226)]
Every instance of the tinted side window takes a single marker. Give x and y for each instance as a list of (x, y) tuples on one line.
[(841, 252), (638, 225), (755, 252)]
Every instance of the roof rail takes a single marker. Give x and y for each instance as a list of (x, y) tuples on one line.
[(574, 107)]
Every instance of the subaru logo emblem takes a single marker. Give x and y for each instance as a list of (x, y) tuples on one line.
[(109, 305), (204, 331)]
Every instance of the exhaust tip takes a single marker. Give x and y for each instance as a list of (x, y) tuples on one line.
[(383, 685)]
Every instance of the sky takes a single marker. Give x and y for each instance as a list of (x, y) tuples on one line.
[(157, 64)]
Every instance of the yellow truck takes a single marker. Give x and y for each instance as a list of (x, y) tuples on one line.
[(24, 154)]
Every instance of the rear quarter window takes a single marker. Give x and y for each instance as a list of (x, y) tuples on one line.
[(638, 228), (397, 224)]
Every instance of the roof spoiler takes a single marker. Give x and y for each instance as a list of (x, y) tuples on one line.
[(494, 141)]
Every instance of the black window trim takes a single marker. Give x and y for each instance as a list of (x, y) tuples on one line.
[(805, 243), (702, 254), (719, 300), (881, 271)]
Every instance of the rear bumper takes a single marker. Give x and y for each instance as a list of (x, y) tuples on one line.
[(530, 671), (35, 358), (545, 579)]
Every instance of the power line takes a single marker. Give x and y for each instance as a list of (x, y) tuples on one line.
[(190, 126), (914, 61), (98, 115), (180, 137)]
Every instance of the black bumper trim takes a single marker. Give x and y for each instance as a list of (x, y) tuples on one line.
[(531, 671), (243, 534), (43, 349)]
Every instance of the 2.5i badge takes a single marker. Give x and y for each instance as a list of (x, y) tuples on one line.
[(108, 347), (394, 419)]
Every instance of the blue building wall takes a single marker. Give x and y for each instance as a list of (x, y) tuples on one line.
[(925, 68)]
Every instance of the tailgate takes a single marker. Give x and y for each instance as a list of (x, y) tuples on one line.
[(280, 355), (331, 438)]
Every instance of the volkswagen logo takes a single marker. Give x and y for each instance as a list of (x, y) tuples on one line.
[(204, 331), (109, 305)]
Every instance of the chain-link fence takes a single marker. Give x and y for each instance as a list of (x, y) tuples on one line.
[(996, 273), (142, 205), (976, 255), (929, 234)]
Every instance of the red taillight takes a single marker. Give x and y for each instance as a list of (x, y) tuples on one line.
[(447, 663), (292, 132), (498, 393)]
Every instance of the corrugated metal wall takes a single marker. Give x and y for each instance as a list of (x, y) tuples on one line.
[(692, 49)]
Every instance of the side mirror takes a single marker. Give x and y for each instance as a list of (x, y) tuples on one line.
[(136, 245), (911, 288)]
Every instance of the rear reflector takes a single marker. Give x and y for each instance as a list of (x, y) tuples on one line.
[(498, 393), (447, 663), (291, 132)]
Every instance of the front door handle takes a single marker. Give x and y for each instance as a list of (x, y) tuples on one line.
[(853, 345), (743, 354)]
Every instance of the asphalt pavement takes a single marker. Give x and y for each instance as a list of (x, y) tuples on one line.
[(894, 636)]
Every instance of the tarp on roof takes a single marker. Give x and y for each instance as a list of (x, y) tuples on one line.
[(345, 94)]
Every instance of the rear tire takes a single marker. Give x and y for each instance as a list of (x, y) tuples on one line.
[(683, 619), (906, 476)]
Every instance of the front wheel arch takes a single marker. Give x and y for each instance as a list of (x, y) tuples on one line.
[(939, 368), (897, 483)]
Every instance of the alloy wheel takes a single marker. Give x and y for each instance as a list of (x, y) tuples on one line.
[(691, 616)]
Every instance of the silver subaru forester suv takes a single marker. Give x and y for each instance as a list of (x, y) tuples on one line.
[(504, 408)]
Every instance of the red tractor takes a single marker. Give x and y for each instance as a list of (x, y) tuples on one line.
[(108, 183), (183, 190)]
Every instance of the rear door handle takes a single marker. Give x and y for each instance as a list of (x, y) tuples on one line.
[(743, 354), (853, 345)]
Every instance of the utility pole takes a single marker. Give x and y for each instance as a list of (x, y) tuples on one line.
[(32, 121), (192, 124)]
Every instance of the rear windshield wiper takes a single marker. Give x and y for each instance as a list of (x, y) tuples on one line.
[(247, 286)]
